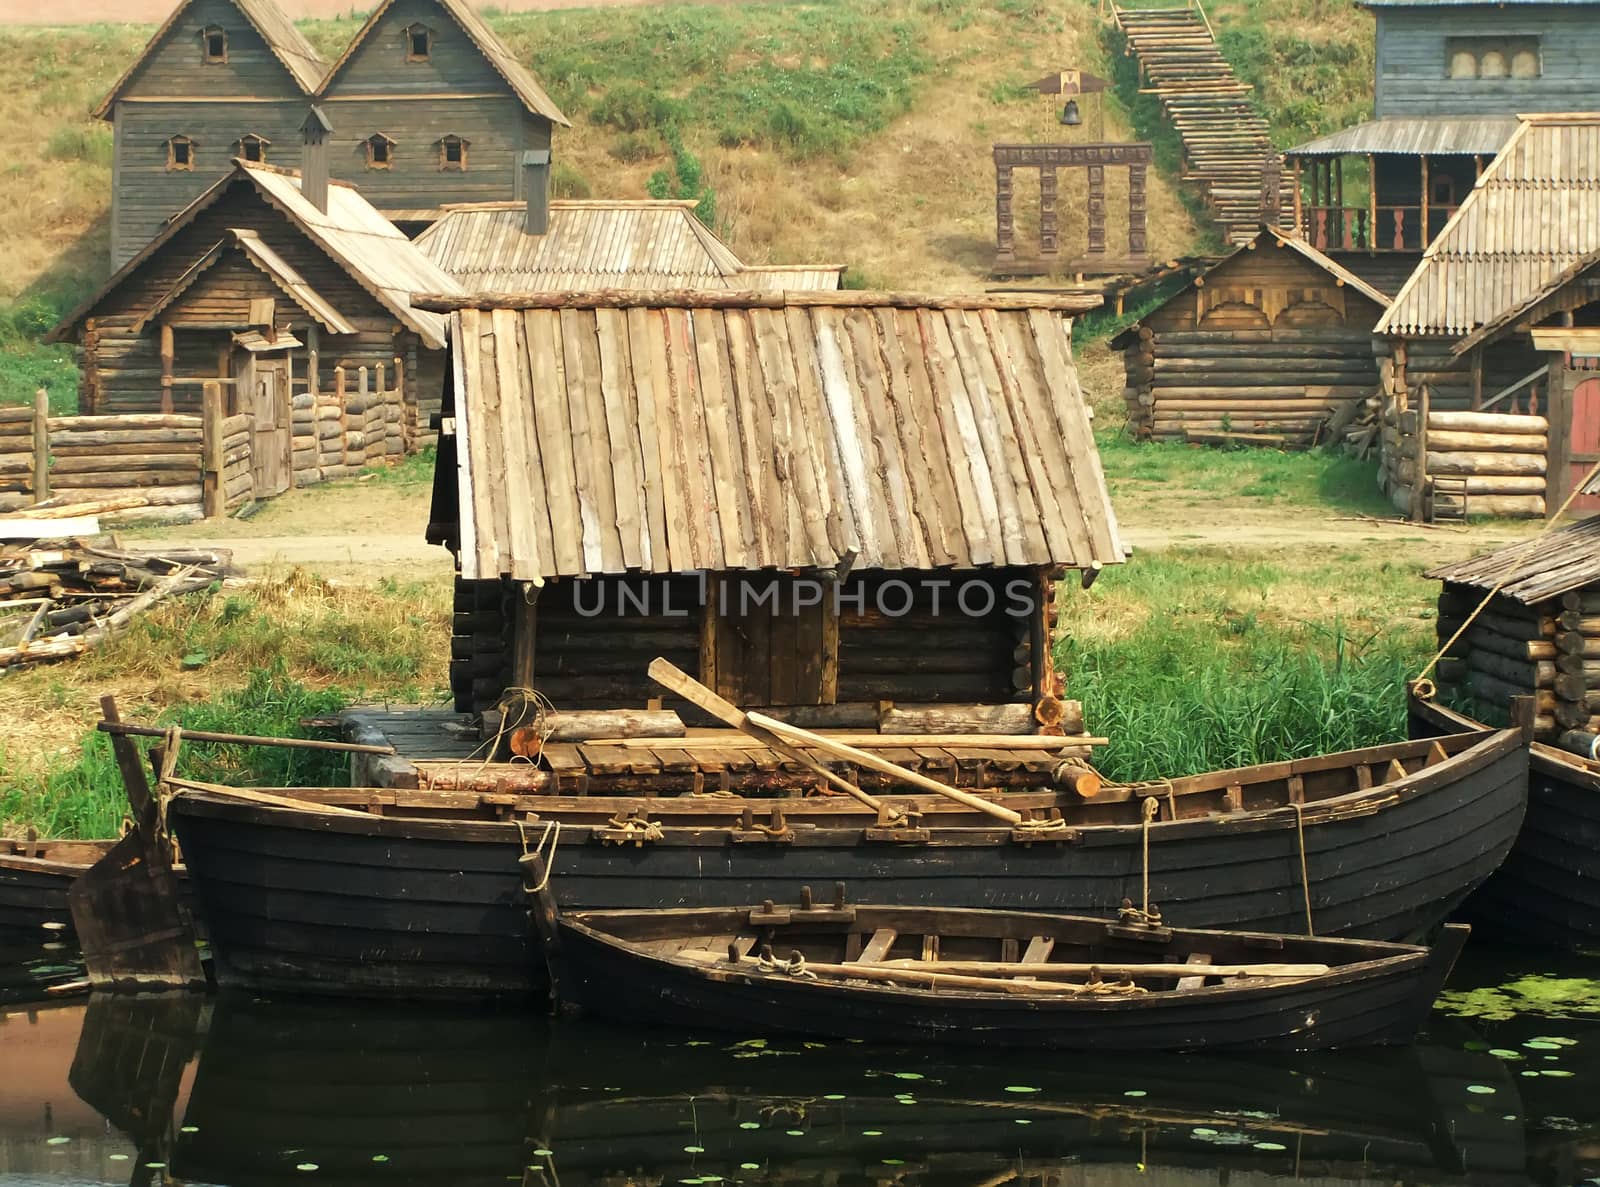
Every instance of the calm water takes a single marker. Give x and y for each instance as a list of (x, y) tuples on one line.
[(241, 1091)]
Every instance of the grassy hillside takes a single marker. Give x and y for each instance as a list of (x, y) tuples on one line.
[(851, 131)]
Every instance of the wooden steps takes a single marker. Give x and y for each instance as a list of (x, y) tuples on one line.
[(1225, 140)]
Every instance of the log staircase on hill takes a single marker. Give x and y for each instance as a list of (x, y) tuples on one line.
[(1225, 140)]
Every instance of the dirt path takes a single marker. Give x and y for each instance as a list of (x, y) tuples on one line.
[(368, 531)]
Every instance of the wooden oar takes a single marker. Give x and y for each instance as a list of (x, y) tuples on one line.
[(675, 679), (883, 766), (1065, 968)]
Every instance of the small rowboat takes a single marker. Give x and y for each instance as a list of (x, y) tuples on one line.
[(989, 978), (34, 879)]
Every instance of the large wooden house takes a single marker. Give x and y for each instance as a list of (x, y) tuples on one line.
[(824, 499), (1490, 360), (1451, 78), (426, 107), (1266, 348)]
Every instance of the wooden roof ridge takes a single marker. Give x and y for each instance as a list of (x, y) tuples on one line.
[(297, 55), (296, 287), (1536, 569), (184, 282), (503, 204), (757, 299), (1493, 329), (517, 76), (795, 267)]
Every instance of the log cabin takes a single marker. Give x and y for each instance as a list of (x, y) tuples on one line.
[(1450, 79), (1539, 635), (291, 293), (427, 105), (1463, 358), (1263, 348), (534, 246), (820, 501)]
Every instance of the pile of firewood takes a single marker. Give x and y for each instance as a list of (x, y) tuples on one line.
[(60, 598), (1364, 431)]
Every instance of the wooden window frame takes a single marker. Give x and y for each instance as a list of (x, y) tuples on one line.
[(1507, 45), (261, 144), (187, 164), (206, 55), (411, 31), (461, 144), (372, 143)]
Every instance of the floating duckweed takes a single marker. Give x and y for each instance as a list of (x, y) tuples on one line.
[(1480, 1089), (795, 1133), (834, 1096), (541, 1152), (380, 1158), (1020, 1088), (1502, 1053), (190, 1129), (1270, 1146), (872, 1133), (306, 1166), (1136, 1092), (1550, 1071), (694, 1149), (749, 1166), (908, 1075), (56, 1141), (119, 1158), (749, 1125)]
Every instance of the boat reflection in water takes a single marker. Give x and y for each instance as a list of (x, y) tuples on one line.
[(357, 1094)]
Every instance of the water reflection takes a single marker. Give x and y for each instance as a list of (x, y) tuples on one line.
[(242, 1092)]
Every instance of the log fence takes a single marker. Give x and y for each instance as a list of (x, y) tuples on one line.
[(184, 465)]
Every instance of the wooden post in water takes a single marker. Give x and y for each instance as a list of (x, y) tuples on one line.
[(41, 445), (213, 495)]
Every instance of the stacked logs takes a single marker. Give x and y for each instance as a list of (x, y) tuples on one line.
[(1266, 387), (1550, 651), (359, 421), (1499, 458), (156, 456)]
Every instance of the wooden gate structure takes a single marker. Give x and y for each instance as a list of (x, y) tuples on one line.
[(271, 449), (1048, 159), (1575, 404)]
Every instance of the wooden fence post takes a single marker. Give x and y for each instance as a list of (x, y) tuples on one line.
[(41, 445), (212, 494)]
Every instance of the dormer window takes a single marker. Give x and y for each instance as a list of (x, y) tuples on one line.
[(1492, 58), (214, 41), (180, 155), (380, 151), (453, 154), (419, 43), (253, 148)]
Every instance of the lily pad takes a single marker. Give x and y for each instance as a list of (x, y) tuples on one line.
[(1270, 1146), (119, 1158), (1503, 1053), (694, 1149), (1136, 1092), (380, 1158), (749, 1166), (56, 1141), (541, 1152), (908, 1075), (872, 1133), (306, 1166), (834, 1096), (1020, 1088), (1557, 1072), (1480, 1089), (749, 1125)]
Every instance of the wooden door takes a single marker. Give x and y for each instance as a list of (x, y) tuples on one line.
[(271, 458), (768, 646), (1583, 445)]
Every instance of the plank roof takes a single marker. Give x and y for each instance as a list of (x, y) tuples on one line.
[(354, 235), (598, 244), (518, 77), (282, 36), (1414, 136), (726, 431), (1533, 213), (1497, 326), (1535, 570)]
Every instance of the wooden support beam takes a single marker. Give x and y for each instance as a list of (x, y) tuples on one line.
[(214, 497), (41, 445)]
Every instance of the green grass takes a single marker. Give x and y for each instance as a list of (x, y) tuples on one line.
[(1311, 479), (1195, 661), (409, 473)]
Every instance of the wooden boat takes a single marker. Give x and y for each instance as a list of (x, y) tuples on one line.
[(1548, 891), (986, 978), (418, 894), (34, 879)]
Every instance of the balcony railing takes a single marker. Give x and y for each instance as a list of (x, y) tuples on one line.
[(1350, 228)]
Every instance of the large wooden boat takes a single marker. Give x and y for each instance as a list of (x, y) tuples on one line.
[(419, 893), (34, 879), (1548, 891), (988, 978)]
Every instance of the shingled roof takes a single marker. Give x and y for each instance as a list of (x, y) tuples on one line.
[(597, 244), (1533, 213), (520, 79), (726, 431), (285, 41), (1534, 570)]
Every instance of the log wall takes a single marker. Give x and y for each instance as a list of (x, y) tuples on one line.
[(1499, 458), (1549, 651)]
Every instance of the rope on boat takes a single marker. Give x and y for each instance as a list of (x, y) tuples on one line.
[(1145, 916), (795, 966), (1305, 873), (1425, 688), (552, 834), (635, 830)]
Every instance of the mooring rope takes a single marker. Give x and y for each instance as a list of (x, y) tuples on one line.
[(552, 834), (1305, 872)]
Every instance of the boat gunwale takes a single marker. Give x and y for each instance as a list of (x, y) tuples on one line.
[(1552, 760)]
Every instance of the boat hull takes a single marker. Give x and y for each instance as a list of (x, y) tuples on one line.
[(389, 906), (33, 890), (1547, 893)]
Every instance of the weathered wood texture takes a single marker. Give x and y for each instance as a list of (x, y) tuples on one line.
[(1480, 463)]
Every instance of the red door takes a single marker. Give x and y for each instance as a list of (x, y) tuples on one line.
[(1585, 440)]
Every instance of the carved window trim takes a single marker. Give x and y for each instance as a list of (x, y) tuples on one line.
[(253, 148), (180, 154), (419, 42), (214, 45), (1493, 58), (453, 153), (380, 151)]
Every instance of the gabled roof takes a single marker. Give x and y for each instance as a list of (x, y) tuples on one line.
[(1482, 135), (726, 431), (359, 239), (626, 244), (517, 76), (285, 41), (1533, 213), (1534, 570), (1493, 329), (1282, 239)]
